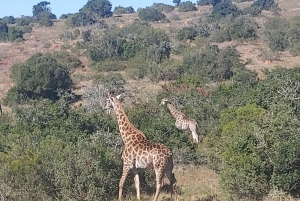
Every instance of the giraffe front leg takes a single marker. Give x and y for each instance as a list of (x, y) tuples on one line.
[(137, 184), (122, 180)]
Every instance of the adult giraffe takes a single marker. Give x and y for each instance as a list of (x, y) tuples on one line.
[(141, 153), (182, 121)]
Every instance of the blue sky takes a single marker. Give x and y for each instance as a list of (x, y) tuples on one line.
[(17, 8)]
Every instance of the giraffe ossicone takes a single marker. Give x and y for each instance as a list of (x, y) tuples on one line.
[(182, 122), (141, 153)]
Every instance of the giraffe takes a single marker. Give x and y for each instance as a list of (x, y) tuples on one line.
[(182, 121), (141, 153)]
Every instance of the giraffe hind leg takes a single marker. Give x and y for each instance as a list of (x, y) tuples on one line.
[(171, 177), (159, 175), (195, 137), (137, 183)]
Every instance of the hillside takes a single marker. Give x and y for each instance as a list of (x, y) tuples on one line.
[(253, 54)]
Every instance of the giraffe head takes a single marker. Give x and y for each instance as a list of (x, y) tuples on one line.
[(164, 101), (111, 101)]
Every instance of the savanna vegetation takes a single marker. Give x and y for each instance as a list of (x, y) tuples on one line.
[(54, 149)]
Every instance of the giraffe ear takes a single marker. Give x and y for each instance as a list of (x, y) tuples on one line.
[(119, 96)]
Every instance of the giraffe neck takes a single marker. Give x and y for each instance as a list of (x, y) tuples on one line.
[(175, 113), (128, 132)]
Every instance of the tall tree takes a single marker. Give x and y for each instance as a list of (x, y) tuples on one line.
[(41, 7), (177, 2), (100, 8)]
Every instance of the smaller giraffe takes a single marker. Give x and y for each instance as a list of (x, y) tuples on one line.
[(182, 121)]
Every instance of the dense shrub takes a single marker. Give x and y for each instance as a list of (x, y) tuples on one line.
[(134, 42), (75, 160), (163, 7), (204, 65), (3, 31), (80, 19), (15, 33), (258, 6), (8, 19), (243, 28), (100, 8), (186, 6), (275, 30), (186, 33), (24, 21), (123, 10), (66, 59), (10, 33), (45, 19), (253, 147), (40, 76), (151, 14)]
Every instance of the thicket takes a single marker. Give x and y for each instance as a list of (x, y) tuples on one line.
[(42, 14), (210, 64), (258, 6), (281, 34), (123, 10), (256, 143), (163, 7), (41, 76), (90, 13), (151, 14), (10, 33), (144, 47), (186, 6)]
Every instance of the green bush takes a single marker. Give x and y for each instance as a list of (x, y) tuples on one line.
[(24, 21), (45, 18), (243, 28), (40, 76), (186, 6), (151, 14), (186, 33), (14, 33), (123, 10), (74, 160), (8, 19), (224, 8), (244, 172), (3, 31), (274, 31), (258, 6), (66, 59), (100, 8), (80, 19), (163, 7), (204, 65)]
